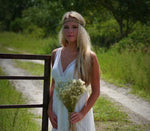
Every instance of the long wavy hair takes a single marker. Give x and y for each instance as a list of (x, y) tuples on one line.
[(83, 63)]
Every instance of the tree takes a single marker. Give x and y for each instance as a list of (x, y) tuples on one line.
[(11, 9), (47, 16), (125, 11)]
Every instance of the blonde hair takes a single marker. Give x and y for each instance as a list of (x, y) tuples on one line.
[(83, 62)]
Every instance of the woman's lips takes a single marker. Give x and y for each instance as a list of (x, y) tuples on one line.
[(70, 35)]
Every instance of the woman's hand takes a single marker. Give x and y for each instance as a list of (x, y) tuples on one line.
[(53, 119), (75, 117)]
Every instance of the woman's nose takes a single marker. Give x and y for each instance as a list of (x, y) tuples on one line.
[(70, 30)]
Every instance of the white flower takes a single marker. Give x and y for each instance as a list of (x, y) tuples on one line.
[(69, 92)]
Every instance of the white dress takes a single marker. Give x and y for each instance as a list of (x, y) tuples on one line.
[(87, 123)]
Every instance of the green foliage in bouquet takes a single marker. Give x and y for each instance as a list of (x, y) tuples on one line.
[(70, 92)]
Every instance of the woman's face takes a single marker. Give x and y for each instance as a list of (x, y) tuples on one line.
[(70, 30)]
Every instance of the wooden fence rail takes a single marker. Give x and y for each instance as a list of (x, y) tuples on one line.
[(46, 78)]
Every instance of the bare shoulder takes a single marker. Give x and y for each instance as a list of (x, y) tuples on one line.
[(95, 64), (53, 54), (94, 59), (54, 51), (93, 55)]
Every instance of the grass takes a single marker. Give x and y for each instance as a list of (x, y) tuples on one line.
[(33, 68), (27, 44), (110, 117), (105, 110), (14, 119), (127, 69)]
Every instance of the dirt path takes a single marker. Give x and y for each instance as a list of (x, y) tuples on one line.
[(137, 109), (31, 89)]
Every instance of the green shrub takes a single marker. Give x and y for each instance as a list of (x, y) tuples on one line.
[(50, 44), (34, 31), (104, 34), (3, 26), (16, 25), (140, 33), (43, 17), (138, 40)]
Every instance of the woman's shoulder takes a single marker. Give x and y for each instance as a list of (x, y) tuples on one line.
[(54, 53), (93, 54), (93, 57), (55, 50)]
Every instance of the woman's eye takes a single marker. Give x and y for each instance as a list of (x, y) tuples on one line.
[(66, 27), (74, 27)]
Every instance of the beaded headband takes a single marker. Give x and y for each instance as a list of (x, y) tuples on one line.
[(72, 20)]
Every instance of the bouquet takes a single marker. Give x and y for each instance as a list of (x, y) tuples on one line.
[(69, 93)]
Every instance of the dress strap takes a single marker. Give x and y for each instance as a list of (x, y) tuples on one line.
[(57, 56)]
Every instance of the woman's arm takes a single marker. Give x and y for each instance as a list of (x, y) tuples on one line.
[(52, 61), (51, 96), (52, 116), (95, 85)]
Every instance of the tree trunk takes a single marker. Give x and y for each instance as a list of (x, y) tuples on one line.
[(121, 28), (127, 28)]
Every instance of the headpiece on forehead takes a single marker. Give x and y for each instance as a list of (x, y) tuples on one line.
[(73, 16)]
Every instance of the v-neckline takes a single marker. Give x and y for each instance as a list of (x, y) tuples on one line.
[(63, 71)]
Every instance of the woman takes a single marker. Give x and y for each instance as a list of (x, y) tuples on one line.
[(74, 60)]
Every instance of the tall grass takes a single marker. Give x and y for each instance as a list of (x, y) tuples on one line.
[(28, 44), (105, 110), (33, 68), (127, 68), (14, 119)]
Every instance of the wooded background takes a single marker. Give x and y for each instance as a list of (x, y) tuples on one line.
[(108, 21)]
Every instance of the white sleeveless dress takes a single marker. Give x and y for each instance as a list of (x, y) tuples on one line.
[(87, 123)]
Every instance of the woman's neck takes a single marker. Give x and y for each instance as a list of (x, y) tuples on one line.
[(72, 47)]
